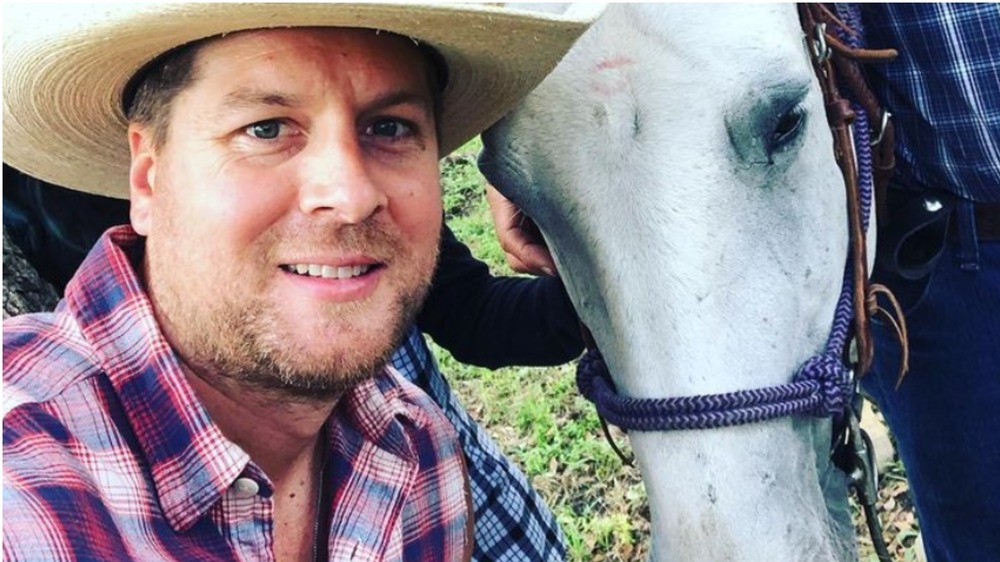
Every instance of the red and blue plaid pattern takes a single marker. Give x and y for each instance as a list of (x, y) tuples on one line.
[(108, 455)]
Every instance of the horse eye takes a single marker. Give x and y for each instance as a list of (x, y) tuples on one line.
[(788, 127)]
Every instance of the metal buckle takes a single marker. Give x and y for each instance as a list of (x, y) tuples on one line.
[(820, 50), (864, 475), (881, 131), (855, 455)]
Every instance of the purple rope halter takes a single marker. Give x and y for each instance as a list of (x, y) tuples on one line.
[(822, 386)]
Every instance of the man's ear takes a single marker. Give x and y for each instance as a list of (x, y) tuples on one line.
[(142, 176)]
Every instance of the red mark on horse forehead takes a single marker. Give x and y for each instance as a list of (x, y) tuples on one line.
[(613, 62)]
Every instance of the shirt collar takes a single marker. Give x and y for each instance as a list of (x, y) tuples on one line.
[(381, 411), (191, 462)]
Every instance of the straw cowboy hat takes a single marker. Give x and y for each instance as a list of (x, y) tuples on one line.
[(65, 68)]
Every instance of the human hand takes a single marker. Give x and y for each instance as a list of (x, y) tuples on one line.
[(519, 237)]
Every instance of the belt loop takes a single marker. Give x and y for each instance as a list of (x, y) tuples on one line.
[(968, 252)]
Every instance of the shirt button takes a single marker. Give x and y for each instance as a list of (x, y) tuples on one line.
[(246, 487)]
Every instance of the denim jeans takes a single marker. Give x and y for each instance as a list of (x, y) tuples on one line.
[(944, 415)]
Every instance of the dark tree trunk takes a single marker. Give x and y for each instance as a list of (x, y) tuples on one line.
[(23, 289)]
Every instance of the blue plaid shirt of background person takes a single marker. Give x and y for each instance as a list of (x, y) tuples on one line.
[(512, 523), (956, 120)]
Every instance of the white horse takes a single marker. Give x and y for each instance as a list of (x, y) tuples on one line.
[(680, 165)]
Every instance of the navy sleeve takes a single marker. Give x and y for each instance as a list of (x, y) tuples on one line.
[(497, 321), (55, 226)]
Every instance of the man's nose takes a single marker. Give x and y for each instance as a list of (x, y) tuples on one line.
[(336, 178)]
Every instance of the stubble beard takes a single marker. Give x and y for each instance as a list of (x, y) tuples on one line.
[(244, 341), (255, 353)]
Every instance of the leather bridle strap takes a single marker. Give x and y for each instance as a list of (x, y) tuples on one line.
[(836, 66)]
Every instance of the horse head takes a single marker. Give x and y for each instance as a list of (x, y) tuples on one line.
[(681, 168)]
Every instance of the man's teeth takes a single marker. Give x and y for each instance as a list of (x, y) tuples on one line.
[(328, 271)]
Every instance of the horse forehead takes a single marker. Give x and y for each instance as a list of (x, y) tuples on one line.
[(650, 82), (703, 25), (671, 70), (716, 42)]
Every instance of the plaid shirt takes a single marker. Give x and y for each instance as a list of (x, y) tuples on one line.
[(108, 454), (512, 523), (943, 91)]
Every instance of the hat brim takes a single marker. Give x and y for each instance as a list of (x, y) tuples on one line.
[(65, 70)]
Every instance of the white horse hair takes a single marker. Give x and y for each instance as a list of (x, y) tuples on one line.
[(679, 163)]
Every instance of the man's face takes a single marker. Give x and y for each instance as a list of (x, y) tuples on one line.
[(293, 213)]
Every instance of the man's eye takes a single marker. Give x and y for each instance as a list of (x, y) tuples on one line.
[(265, 130), (391, 128)]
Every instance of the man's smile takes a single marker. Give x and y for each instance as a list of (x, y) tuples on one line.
[(328, 271)]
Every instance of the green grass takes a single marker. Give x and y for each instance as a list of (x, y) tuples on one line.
[(540, 421), (465, 208)]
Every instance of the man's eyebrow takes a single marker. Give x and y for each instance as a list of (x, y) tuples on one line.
[(400, 97), (244, 98), (248, 98)]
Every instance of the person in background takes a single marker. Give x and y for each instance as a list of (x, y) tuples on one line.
[(939, 252)]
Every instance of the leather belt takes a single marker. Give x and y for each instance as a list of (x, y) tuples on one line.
[(987, 218)]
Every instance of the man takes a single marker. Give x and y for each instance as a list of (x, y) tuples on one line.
[(213, 386)]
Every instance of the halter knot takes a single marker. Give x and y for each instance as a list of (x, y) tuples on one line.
[(590, 368), (833, 383)]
